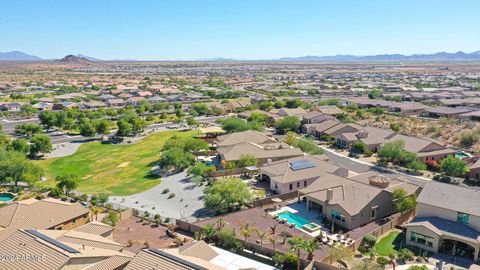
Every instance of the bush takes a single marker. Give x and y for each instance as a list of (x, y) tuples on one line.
[(382, 261), (469, 138), (368, 153), (362, 249), (165, 191), (171, 195), (369, 240)]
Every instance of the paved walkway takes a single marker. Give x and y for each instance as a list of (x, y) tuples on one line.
[(63, 149), (187, 203)]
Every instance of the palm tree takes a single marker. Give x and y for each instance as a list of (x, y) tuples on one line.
[(272, 240), (95, 211), (310, 246), (208, 232), (220, 223), (297, 244), (274, 227), (260, 234), (285, 236), (245, 229)]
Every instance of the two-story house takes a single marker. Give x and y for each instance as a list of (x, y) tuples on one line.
[(447, 221)]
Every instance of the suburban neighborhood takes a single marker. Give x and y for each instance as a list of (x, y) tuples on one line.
[(235, 135)]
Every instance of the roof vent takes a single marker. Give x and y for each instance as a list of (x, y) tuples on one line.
[(379, 181)]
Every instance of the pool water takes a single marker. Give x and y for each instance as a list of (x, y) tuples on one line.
[(460, 155), (6, 197), (293, 218)]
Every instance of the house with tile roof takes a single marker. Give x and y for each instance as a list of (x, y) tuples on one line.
[(447, 220), (354, 201), (60, 249)]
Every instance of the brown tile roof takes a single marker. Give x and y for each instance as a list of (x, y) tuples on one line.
[(43, 214), (198, 249), (161, 259), (281, 171), (274, 151), (244, 136), (112, 263), (95, 227)]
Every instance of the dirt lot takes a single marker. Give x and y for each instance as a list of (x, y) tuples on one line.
[(140, 232)]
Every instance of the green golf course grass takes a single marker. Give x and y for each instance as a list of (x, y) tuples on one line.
[(115, 169)]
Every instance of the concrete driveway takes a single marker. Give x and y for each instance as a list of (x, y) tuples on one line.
[(187, 203)]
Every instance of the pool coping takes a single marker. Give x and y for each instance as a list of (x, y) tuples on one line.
[(293, 211)]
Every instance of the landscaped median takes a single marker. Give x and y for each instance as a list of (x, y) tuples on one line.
[(116, 169)]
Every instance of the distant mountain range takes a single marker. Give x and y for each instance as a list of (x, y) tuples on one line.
[(21, 56), (441, 56), (17, 56)]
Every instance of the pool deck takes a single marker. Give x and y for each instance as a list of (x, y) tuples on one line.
[(299, 209)]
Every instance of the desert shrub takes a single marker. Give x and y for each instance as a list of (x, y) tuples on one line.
[(382, 261), (171, 195), (165, 191), (369, 240)]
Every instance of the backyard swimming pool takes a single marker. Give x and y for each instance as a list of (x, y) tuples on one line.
[(460, 155), (6, 197), (293, 218)]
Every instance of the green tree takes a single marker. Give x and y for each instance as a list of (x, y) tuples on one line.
[(20, 145), (67, 182), (453, 166), (41, 144), (227, 194), (247, 160), (310, 246), (103, 127), (176, 158), (403, 202), (296, 245), (233, 124), (124, 128), (359, 146), (47, 119), (15, 167), (288, 123), (87, 129), (417, 165)]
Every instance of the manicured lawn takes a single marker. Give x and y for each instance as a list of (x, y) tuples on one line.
[(115, 169), (390, 244)]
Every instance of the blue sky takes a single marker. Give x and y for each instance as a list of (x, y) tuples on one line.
[(246, 29)]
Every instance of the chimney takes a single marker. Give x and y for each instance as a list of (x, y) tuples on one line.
[(329, 194), (269, 161)]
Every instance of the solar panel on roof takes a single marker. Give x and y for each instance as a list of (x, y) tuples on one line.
[(52, 241), (301, 164)]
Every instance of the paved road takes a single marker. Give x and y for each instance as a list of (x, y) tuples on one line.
[(9, 126)]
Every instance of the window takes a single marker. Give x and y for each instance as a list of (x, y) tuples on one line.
[(276, 186), (298, 184), (338, 216), (421, 239), (291, 186), (373, 212), (304, 183), (463, 218)]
